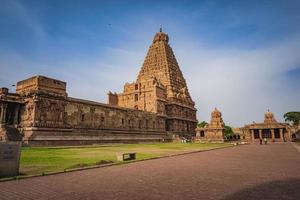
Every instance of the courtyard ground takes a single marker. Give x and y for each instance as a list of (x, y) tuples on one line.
[(47, 160), (246, 172)]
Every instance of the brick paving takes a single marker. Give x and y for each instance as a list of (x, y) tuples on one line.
[(246, 172)]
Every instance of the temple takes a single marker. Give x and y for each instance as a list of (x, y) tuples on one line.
[(161, 88), (214, 131), (270, 129), (154, 108)]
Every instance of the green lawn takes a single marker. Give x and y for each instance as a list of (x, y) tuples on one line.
[(36, 160)]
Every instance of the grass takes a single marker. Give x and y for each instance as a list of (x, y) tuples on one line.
[(42, 160)]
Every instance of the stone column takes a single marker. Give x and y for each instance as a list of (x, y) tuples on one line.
[(273, 134), (260, 134), (281, 134), (16, 116), (252, 134), (3, 113)]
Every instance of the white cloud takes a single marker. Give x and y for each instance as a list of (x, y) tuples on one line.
[(243, 84)]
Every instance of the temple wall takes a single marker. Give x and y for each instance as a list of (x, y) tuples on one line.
[(142, 96), (67, 121), (210, 134)]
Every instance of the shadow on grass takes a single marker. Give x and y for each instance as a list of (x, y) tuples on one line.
[(282, 189), (82, 165), (22, 174), (104, 162)]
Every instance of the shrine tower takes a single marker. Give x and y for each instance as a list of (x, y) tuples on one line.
[(161, 88)]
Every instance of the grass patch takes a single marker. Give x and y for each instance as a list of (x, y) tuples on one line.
[(43, 160)]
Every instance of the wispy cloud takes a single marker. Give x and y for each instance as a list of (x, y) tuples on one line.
[(242, 83), (16, 9)]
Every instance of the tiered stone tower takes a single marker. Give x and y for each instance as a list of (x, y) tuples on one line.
[(269, 118), (216, 120), (161, 88)]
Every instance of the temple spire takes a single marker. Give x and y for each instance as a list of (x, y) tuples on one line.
[(160, 29), (160, 62)]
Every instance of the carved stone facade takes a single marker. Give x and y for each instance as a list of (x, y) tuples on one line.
[(43, 114), (161, 88), (214, 131)]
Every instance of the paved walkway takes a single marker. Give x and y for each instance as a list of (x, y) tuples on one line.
[(246, 172)]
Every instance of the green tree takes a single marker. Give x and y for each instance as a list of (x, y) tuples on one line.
[(202, 124), (228, 131), (292, 117)]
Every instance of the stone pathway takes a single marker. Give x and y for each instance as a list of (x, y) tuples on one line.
[(246, 172)]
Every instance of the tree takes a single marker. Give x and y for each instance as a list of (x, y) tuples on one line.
[(202, 124), (292, 117), (228, 131)]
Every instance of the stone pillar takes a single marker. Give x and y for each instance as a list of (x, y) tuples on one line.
[(260, 134), (3, 113), (273, 135), (252, 134), (16, 116), (1, 110), (281, 134)]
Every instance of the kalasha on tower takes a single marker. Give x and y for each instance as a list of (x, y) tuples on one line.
[(161, 88)]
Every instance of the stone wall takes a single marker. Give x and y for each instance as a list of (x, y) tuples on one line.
[(69, 121)]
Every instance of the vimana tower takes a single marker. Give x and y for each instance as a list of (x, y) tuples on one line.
[(161, 88)]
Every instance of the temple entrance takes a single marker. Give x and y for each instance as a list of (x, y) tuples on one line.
[(266, 133), (11, 113), (202, 134), (276, 133), (256, 134)]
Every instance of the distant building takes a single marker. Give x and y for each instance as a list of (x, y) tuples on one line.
[(214, 131), (270, 129)]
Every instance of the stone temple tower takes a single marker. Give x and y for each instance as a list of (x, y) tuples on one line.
[(214, 131), (161, 88)]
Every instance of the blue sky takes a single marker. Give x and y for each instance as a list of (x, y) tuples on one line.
[(239, 56)]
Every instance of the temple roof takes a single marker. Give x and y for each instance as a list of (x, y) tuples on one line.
[(269, 117), (269, 122), (161, 36), (160, 63), (216, 113)]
